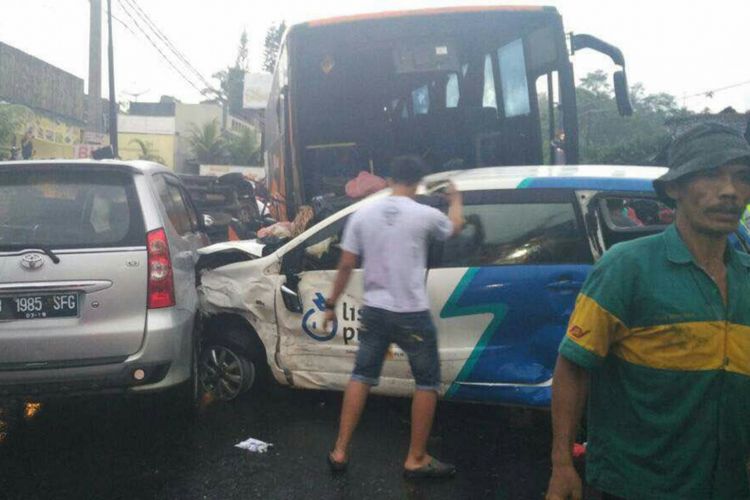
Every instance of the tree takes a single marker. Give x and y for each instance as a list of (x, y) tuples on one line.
[(207, 143), (606, 137), (147, 152), (232, 79), (272, 44), (13, 118), (243, 148), (242, 61)]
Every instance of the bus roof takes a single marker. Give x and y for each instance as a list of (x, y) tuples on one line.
[(429, 12)]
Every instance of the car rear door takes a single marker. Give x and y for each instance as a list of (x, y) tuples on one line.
[(73, 264), (503, 290)]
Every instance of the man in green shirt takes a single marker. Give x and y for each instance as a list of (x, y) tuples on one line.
[(659, 343)]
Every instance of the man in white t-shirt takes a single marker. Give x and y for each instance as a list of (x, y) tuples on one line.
[(391, 236)]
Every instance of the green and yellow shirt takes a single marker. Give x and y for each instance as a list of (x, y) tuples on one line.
[(669, 401)]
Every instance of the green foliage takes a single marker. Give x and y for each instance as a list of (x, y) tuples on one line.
[(209, 146), (147, 153), (12, 120), (207, 143), (232, 79), (272, 44), (243, 148), (608, 138), (242, 61)]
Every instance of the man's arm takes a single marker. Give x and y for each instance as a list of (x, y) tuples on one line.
[(570, 389), (455, 208), (347, 263)]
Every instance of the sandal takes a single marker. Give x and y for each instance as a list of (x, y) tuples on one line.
[(433, 470), (336, 466)]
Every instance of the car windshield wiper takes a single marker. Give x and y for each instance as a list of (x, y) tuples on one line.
[(48, 251), (37, 248)]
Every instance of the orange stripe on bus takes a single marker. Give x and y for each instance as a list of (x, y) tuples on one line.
[(425, 12)]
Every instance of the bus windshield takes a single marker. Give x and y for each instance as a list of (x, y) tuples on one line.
[(461, 88)]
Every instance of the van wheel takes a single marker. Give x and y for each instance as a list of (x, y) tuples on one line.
[(225, 371)]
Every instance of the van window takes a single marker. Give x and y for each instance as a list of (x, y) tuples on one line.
[(178, 209), (626, 217), (322, 250), (517, 233), (68, 208)]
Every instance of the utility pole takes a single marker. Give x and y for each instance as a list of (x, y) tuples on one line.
[(94, 101), (112, 103)]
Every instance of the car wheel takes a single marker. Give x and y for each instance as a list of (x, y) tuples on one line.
[(225, 371)]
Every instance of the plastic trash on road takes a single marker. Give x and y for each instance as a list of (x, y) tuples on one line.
[(254, 445)]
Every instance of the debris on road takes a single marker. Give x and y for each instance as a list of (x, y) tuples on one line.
[(254, 445)]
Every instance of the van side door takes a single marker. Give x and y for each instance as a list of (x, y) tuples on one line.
[(503, 290)]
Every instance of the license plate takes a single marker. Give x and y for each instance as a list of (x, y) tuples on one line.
[(39, 306)]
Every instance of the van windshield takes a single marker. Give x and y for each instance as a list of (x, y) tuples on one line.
[(68, 208)]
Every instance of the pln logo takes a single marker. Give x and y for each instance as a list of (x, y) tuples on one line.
[(311, 317)]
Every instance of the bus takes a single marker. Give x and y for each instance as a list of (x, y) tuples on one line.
[(461, 87)]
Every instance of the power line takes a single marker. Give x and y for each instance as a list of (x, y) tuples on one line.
[(167, 42), (155, 46), (123, 24), (710, 93)]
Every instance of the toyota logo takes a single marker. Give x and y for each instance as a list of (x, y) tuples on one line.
[(32, 261)]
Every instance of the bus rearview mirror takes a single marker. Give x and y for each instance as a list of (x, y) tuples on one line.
[(622, 93)]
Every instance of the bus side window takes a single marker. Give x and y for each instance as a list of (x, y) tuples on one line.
[(452, 91), (515, 87), (489, 97)]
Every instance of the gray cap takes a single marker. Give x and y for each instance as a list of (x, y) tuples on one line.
[(706, 146)]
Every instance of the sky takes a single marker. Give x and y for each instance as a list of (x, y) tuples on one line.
[(683, 47)]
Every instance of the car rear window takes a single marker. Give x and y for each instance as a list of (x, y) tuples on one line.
[(68, 208)]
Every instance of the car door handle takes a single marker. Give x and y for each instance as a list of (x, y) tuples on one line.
[(564, 285)]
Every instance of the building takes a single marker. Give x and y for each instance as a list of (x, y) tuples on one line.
[(165, 129), (54, 97)]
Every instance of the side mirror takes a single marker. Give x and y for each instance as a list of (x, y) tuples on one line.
[(290, 294), (622, 93)]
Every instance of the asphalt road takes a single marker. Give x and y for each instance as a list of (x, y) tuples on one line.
[(135, 448)]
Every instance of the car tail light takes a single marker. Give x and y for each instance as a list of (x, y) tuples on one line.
[(160, 280)]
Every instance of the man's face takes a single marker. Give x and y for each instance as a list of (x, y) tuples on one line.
[(712, 201)]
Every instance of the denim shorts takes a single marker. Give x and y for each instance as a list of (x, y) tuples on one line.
[(413, 332)]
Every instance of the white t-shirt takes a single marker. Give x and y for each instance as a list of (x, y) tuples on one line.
[(391, 236)]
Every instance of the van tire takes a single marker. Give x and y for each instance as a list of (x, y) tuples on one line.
[(227, 370)]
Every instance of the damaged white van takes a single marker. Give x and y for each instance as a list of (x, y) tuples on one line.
[(501, 292)]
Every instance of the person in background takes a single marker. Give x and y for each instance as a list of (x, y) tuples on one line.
[(659, 343), (27, 145), (391, 237)]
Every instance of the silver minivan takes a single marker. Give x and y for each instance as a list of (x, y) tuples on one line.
[(97, 278)]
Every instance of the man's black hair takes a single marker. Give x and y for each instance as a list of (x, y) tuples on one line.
[(408, 170)]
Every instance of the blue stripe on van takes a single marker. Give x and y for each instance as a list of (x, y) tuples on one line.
[(599, 183), (513, 361)]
